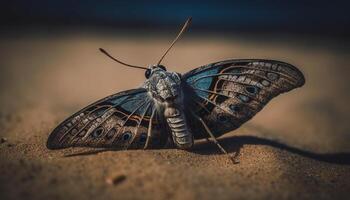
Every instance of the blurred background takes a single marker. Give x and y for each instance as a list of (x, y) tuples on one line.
[(50, 67), (313, 18)]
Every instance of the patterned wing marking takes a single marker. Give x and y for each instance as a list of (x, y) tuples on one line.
[(140, 136), (94, 128), (129, 130), (229, 93), (119, 121)]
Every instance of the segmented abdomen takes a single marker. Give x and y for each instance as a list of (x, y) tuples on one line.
[(179, 129)]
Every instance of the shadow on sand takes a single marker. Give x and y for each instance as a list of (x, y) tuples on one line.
[(235, 143)]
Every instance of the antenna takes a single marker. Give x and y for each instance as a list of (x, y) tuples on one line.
[(120, 62), (188, 21)]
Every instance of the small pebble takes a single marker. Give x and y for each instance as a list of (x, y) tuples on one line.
[(3, 140), (115, 180)]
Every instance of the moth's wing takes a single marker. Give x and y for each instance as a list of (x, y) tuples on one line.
[(226, 94), (119, 121)]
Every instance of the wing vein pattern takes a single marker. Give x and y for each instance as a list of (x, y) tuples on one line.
[(227, 94), (119, 121)]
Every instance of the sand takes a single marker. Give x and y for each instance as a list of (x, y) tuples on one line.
[(297, 147)]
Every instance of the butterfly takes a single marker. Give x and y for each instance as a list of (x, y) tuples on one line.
[(175, 109)]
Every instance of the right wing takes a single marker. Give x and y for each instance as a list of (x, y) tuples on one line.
[(227, 94)]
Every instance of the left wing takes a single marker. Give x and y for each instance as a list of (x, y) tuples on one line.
[(227, 94), (124, 120)]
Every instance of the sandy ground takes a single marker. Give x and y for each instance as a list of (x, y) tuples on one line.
[(298, 147)]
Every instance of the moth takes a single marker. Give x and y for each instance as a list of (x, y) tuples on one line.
[(175, 109)]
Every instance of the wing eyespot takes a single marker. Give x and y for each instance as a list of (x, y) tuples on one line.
[(143, 137), (98, 132), (126, 136), (235, 108), (223, 118), (251, 90)]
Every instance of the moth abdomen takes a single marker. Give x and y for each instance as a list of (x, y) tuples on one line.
[(181, 134)]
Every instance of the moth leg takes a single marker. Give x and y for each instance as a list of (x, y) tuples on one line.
[(149, 131), (232, 158), (139, 123), (203, 107), (237, 156)]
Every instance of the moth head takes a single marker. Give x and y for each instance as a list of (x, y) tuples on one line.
[(154, 68)]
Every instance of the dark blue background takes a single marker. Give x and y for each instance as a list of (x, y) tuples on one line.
[(305, 17)]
